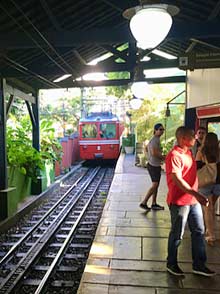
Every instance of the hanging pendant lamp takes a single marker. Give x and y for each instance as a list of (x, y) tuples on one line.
[(150, 23)]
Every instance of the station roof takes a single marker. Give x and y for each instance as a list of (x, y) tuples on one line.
[(41, 40)]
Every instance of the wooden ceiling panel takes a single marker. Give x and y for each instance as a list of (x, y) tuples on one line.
[(60, 36)]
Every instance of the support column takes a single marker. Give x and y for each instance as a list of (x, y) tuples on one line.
[(36, 187), (3, 157), (36, 124), (6, 197), (83, 103), (190, 118)]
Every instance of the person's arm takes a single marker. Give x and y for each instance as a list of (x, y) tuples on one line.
[(157, 153), (194, 150), (185, 187)]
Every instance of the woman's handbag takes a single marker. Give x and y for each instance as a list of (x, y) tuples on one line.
[(207, 174)]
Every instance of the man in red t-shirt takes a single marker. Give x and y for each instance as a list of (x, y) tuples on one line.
[(184, 204)]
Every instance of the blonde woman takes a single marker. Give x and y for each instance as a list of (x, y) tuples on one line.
[(209, 152)]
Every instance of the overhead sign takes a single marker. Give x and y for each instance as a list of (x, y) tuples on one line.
[(208, 111), (193, 60)]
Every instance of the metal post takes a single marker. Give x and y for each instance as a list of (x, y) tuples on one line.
[(36, 187), (3, 151), (83, 103), (36, 125)]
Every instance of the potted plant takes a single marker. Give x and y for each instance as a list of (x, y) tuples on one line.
[(51, 152), (24, 162), (128, 143)]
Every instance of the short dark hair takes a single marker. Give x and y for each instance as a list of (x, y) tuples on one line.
[(157, 126), (201, 128), (184, 131)]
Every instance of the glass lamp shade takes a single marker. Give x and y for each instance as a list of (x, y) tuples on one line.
[(150, 26), (139, 89), (135, 103)]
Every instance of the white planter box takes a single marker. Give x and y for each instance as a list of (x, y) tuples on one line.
[(129, 150)]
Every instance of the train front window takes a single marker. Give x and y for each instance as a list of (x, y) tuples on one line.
[(107, 131), (89, 131)]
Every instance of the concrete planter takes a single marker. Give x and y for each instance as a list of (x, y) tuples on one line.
[(46, 178), (19, 187), (129, 149), (21, 182)]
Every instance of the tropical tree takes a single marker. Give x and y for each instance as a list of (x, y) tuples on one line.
[(66, 112), (118, 91), (153, 111)]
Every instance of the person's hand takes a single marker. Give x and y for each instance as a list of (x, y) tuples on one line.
[(202, 199)]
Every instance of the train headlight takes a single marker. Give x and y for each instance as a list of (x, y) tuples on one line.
[(84, 146)]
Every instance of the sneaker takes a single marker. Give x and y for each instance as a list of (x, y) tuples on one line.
[(157, 207), (203, 271), (174, 269), (144, 206)]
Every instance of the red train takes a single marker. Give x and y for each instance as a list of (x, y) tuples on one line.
[(99, 136)]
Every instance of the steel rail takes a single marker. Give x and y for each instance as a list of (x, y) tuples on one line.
[(27, 235), (10, 282), (66, 242)]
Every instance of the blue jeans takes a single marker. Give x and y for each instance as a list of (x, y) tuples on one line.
[(194, 216)]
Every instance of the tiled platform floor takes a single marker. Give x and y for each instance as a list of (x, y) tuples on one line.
[(128, 255)]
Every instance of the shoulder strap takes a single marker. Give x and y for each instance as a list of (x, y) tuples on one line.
[(205, 159)]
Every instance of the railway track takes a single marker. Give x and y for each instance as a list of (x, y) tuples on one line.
[(48, 252)]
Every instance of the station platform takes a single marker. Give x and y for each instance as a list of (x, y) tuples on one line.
[(128, 255)]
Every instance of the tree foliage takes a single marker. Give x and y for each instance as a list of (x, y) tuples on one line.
[(118, 91), (153, 111), (66, 112), (21, 154)]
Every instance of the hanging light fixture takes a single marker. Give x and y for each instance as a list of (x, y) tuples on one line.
[(135, 103), (139, 88), (167, 113), (150, 22)]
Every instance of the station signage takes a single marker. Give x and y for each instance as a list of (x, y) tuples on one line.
[(208, 111), (197, 60)]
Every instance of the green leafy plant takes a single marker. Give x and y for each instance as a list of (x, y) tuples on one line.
[(50, 146), (20, 153), (129, 141), (168, 145)]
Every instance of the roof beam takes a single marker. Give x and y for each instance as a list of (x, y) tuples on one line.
[(206, 44), (50, 15), (18, 94), (213, 15), (115, 6), (106, 67), (121, 5), (117, 53), (179, 31), (79, 57), (70, 84), (215, 11)]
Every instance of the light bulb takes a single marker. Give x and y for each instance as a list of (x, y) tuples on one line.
[(150, 26), (139, 89)]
